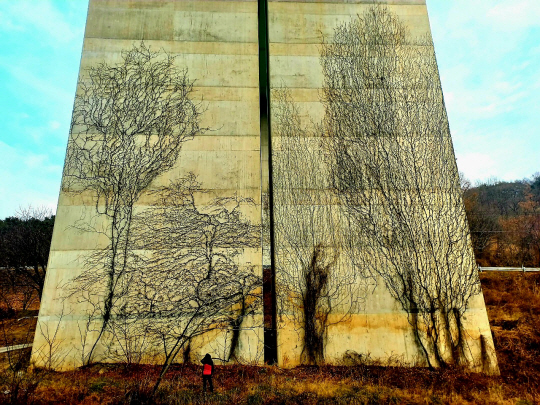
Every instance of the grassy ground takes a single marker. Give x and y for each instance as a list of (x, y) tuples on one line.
[(18, 330), (513, 303)]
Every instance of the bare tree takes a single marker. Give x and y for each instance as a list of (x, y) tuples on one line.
[(394, 169), (503, 219), (25, 241), (129, 123), (535, 187), (192, 279), (482, 221), (314, 276)]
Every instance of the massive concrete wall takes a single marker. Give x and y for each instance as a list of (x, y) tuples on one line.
[(216, 41), (377, 327)]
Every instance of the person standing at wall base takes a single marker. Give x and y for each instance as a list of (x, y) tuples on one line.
[(208, 371)]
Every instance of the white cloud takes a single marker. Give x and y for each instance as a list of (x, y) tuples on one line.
[(515, 15), (501, 15), (43, 16), (8, 25), (476, 165), (35, 161), (507, 87), (54, 125), (27, 178), (522, 66), (35, 87)]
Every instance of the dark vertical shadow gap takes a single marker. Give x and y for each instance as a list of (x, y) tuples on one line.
[(269, 275)]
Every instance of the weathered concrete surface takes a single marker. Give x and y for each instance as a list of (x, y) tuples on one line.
[(217, 42), (379, 328)]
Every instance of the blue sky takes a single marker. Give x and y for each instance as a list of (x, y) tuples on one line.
[(488, 53), (39, 63)]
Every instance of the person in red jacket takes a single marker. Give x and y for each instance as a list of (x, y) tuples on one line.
[(208, 371)]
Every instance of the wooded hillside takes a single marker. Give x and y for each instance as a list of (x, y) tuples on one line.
[(504, 218)]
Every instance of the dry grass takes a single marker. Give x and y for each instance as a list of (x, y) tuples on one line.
[(114, 384), (513, 302), (17, 330)]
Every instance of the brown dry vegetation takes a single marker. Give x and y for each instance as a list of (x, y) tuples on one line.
[(18, 316), (18, 330), (504, 219), (513, 302)]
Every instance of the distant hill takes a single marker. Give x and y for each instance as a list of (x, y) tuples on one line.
[(504, 218)]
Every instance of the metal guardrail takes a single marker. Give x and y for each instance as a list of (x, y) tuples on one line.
[(516, 269), (16, 347)]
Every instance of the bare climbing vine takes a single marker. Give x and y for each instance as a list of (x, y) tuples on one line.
[(130, 121), (193, 277), (395, 173), (316, 281)]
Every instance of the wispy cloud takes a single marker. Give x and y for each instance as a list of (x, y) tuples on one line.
[(8, 24), (488, 56), (41, 45), (27, 178), (514, 15), (476, 162), (42, 16), (48, 91)]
